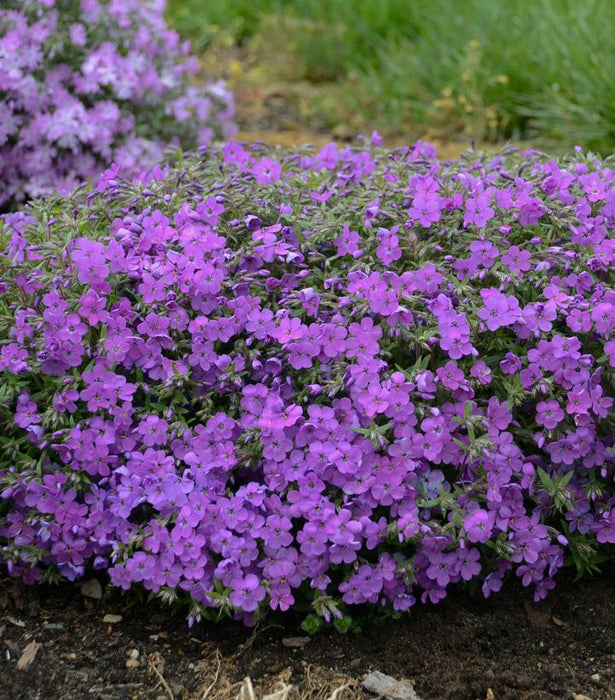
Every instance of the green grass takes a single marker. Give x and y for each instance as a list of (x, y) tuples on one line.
[(491, 69), (366, 22)]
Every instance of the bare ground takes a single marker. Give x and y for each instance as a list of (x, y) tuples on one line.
[(504, 647)]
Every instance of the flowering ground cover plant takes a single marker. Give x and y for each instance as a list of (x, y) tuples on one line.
[(85, 82), (265, 380)]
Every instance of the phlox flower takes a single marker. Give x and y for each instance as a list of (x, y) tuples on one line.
[(517, 260), (603, 316), (451, 376), (348, 243), (426, 209), (363, 339), (253, 406), (478, 525), (267, 171), (247, 593), (549, 414), (478, 211), (498, 310)]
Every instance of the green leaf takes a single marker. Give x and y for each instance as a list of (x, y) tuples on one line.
[(459, 443), (545, 479), (312, 624), (429, 504), (565, 480), (39, 464), (343, 624)]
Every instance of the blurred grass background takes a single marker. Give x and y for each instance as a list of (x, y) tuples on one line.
[(493, 70)]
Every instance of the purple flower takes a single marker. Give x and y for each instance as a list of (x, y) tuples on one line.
[(26, 414), (442, 568), (363, 339), (478, 525), (154, 325), (348, 243), (484, 253), (493, 583), (511, 364), (481, 372), (603, 316), (247, 593), (451, 376), (539, 317), (374, 400), (499, 310), (82, 87), (426, 209), (517, 260), (153, 430), (388, 251), (240, 404), (478, 211), (267, 171), (549, 414), (469, 564)]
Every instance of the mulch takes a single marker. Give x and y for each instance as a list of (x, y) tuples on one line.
[(56, 642)]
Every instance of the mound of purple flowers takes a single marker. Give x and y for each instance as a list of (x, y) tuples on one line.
[(330, 378), (87, 82)]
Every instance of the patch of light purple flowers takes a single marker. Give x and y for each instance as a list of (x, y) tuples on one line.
[(87, 82), (338, 377)]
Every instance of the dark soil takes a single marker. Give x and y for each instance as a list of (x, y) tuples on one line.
[(504, 647)]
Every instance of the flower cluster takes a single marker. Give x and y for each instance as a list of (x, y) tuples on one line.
[(327, 377), (87, 82)]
